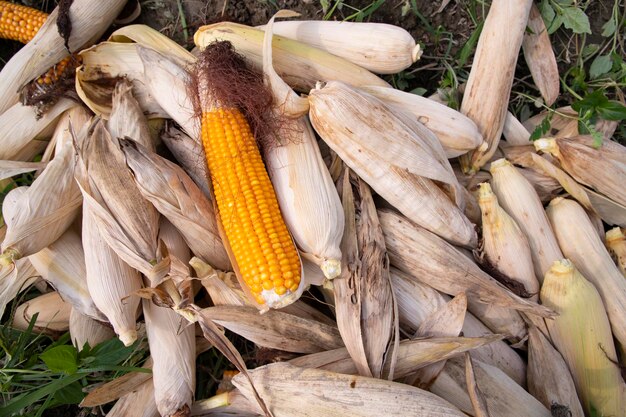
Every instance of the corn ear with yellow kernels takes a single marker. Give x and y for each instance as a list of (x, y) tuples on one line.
[(581, 332)]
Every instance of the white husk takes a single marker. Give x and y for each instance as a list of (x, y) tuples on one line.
[(582, 245), (45, 210), (173, 350), (514, 131), (84, 329), (358, 126), (582, 334), (54, 314), (127, 118), (378, 47), (518, 197), (15, 278), (62, 264), (89, 21), (137, 403), (19, 125), (457, 133)]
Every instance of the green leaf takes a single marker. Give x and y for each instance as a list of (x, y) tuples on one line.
[(590, 49), (420, 91), (541, 129), (61, 359), (612, 110), (25, 400), (71, 394), (469, 46), (547, 12), (600, 65), (609, 28), (111, 352), (555, 25), (591, 102), (576, 20)]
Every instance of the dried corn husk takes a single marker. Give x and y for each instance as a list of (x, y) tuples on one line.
[(378, 47), (137, 403), (111, 282), (276, 329), (486, 96), (582, 334), (188, 153), (540, 57), (517, 196), (173, 351), (84, 329), (103, 65), (118, 387), (54, 314), (174, 194), (365, 308), (42, 212), (62, 264), (9, 169), (417, 301), (560, 118), (616, 242), (514, 131), (504, 397), (300, 65), (602, 169), (479, 403), (582, 245), (457, 133), (306, 193), (292, 391), (127, 118), (19, 125), (125, 220), (549, 379), (15, 278), (357, 126), (505, 248), (89, 21), (434, 262), (159, 71)]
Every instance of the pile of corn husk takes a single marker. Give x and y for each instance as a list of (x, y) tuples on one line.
[(454, 267)]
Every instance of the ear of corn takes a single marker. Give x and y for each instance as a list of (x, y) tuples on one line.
[(15, 278), (457, 133), (300, 65), (378, 47), (489, 83), (581, 332), (540, 57), (404, 173), (616, 241), (581, 244), (19, 23), (517, 196), (89, 21), (84, 329), (505, 247), (549, 378), (514, 131), (602, 169), (54, 314)]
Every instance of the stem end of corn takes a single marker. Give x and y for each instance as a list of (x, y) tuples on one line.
[(331, 268), (9, 256)]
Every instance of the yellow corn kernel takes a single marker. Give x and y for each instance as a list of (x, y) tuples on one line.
[(263, 249), (68, 63), (20, 23)]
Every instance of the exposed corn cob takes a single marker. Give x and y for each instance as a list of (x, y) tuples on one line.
[(404, 173), (84, 329), (581, 332), (378, 47), (54, 314), (602, 169), (581, 244), (549, 378), (505, 247), (305, 190), (62, 264), (42, 213), (300, 65), (18, 22), (457, 133), (540, 57), (616, 241), (517, 196), (489, 84), (263, 252), (89, 21)]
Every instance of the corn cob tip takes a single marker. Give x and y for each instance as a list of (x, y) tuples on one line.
[(484, 191), (556, 200), (331, 268), (548, 145), (128, 337), (614, 234), (416, 53), (562, 266), (9, 256), (499, 163)]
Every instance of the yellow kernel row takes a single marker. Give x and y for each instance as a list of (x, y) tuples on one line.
[(18, 22)]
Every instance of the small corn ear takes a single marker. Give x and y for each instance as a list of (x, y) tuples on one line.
[(53, 314)]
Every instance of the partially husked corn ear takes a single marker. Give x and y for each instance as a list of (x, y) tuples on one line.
[(616, 241), (581, 332), (18, 22), (520, 200), (505, 247)]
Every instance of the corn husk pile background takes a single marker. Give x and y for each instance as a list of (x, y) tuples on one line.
[(456, 268)]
